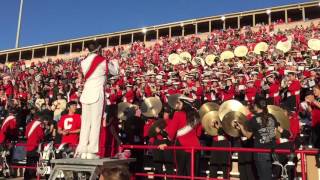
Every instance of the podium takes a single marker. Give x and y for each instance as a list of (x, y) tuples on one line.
[(92, 167)]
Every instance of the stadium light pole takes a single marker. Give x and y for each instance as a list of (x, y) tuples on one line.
[(19, 24)]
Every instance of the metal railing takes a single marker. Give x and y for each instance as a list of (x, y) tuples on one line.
[(302, 153)]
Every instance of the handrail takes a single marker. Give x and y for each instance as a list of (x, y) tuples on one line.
[(302, 153)]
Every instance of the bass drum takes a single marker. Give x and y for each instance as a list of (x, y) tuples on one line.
[(113, 67)]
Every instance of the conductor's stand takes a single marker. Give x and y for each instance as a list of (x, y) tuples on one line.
[(85, 168)]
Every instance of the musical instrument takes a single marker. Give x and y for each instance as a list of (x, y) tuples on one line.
[(284, 46), (241, 51), (314, 44), (280, 116), (225, 55), (261, 47), (174, 59), (174, 98), (232, 105), (229, 123), (197, 61), (208, 121), (210, 59), (161, 124), (151, 107), (185, 57), (122, 108), (208, 107)]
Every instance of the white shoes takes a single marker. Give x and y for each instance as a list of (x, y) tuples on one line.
[(83, 156), (92, 156), (88, 156)]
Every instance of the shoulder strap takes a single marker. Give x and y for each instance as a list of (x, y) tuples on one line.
[(93, 66), (33, 127), (7, 120)]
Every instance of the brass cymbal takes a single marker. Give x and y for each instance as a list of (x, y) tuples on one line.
[(159, 123), (208, 107), (280, 116), (151, 107), (121, 108), (208, 121), (173, 99), (227, 123), (232, 105)]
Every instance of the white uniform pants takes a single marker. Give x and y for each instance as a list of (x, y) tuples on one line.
[(90, 126)]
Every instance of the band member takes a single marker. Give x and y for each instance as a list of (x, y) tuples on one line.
[(228, 92), (314, 107), (69, 125), (245, 159), (220, 160), (34, 135), (286, 141), (263, 128), (95, 72), (159, 135), (9, 127), (272, 94), (133, 129), (250, 92), (293, 94), (185, 128)]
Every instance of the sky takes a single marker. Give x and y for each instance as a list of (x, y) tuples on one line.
[(46, 21)]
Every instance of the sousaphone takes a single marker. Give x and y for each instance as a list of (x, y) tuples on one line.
[(185, 57)]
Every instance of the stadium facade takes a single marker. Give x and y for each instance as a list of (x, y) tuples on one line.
[(289, 13)]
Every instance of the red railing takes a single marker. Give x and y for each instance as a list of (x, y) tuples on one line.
[(302, 153)]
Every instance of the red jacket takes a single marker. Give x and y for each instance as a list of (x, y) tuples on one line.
[(8, 128), (274, 93), (34, 134), (178, 122)]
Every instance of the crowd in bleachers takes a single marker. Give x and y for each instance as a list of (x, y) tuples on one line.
[(45, 88)]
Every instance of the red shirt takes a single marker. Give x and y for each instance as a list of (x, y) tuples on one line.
[(71, 123), (34, 134), (8, 128)]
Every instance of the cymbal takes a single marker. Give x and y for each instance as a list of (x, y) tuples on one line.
[(232, 105), (174, 98), (208, 120), (208, 107), (151, 107), (159, 123), (280, 116), (229, 118), (121, 108)]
